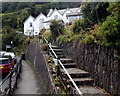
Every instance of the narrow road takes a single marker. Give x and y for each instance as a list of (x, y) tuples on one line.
[(28, 83)]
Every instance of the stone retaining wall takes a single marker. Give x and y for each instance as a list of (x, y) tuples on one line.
[(35, 57), (102, 63)]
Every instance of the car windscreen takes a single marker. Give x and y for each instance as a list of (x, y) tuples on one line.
[(4, 62)]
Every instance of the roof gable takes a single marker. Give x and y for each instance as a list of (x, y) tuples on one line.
[(67, 10), (54, 11), (62, 11), (75, 9), (40, 15), (29, 18)]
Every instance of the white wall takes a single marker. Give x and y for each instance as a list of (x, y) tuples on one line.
[(52, 17), (27, 28), (39, 25)]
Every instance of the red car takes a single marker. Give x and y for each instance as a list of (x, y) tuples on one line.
[(6, 64)]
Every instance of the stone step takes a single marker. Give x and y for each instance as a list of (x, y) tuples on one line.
[(77, 73), (69, 65), (92, 91), (59, 53), (83, 81), (58, 50), (61, 56), (54, 47), (66, 60)]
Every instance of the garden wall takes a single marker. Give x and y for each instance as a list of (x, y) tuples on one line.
[(102, 62), (35, 57)]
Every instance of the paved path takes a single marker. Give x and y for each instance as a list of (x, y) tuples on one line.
[(28, 83)]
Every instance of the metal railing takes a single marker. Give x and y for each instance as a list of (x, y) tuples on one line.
[(12, 79), (59, 63)]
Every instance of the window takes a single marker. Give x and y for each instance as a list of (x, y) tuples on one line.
[(56, 17), (41, 20), (30, 24)]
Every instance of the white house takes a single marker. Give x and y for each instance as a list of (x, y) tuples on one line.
[(29, 26), (38, 23), (33, 26)]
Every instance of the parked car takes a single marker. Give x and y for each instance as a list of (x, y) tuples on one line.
[(12, 54), (7, 61), (2, 52), (6, 64)]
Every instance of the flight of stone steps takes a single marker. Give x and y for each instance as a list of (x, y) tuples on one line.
[(82, 78)]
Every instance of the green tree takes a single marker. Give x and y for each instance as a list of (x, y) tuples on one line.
[(94, 12), (57, 28), (79, 26), (110, 29)]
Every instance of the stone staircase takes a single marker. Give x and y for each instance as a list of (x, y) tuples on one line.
[(82, 78)]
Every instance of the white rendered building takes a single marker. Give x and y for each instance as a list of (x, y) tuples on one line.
[(32, 26)]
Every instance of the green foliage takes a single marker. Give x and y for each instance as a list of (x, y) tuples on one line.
[(77, 37), (79, 26), (110, 31), (19, 40), (68, 31), (114, 8), (96, 26), (62, 39), (15, 13), (56, 28), (94, 12), (44, 47), (47, 35), (89, 39)]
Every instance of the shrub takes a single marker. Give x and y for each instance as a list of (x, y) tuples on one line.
[(47, 35), (110, 31), (68, 31), (76, 37), (44, 47), (78, 26), (62, 39), (89, 39), (56, 28)]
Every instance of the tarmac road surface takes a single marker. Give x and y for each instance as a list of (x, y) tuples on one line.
[(29, 83)]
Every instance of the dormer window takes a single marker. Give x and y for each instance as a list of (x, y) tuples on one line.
[(30, 24)]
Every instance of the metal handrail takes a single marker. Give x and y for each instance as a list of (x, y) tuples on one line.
[(50, 47), (79, 92), (45, 39), (53, 51), (6, 78), (70, 78), (17, 72)]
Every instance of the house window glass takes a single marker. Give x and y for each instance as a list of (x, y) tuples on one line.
[(41, 20), (30, 24), (56, 17)]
